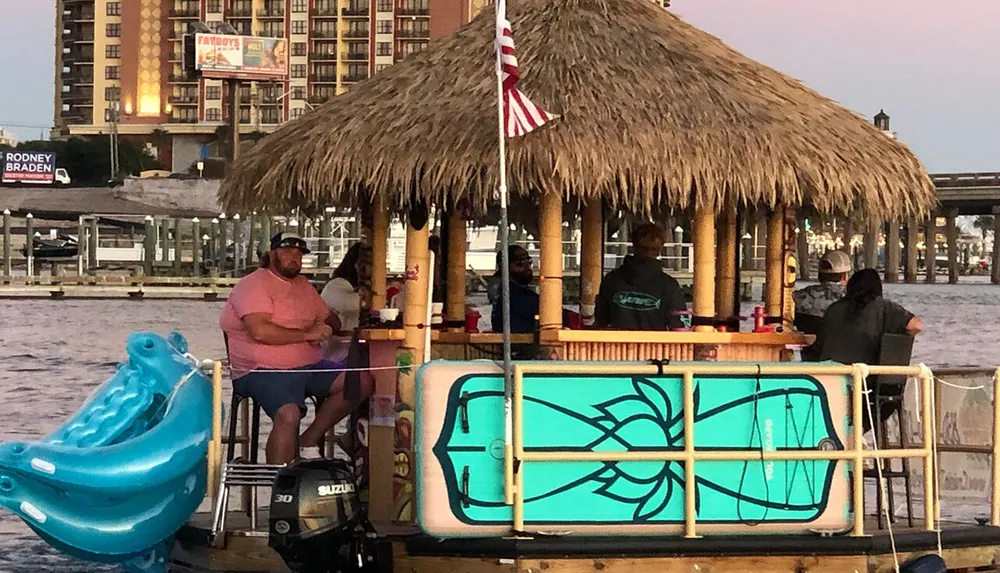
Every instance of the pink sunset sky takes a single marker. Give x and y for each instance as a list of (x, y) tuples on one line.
[(934, 66)]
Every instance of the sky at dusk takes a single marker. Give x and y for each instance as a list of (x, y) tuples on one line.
[(934, 66)]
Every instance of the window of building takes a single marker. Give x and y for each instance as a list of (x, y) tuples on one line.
[(298, 26), (111, 72), (113, 30), (242, 26), (297, 112), (213, 114), (274, 29), (384, 6), (298, 48), (299, 5), (383, 49), (114, 8), (413, 5), (380, 67), (112, 93), (213, 6), (213, 93), (113, 51), (384, 26), (298, 70), (298, 93), (245, 115)]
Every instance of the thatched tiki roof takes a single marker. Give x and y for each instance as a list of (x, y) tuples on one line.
[(654, 111)]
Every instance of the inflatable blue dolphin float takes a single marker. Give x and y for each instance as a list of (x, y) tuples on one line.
[(118, 479)]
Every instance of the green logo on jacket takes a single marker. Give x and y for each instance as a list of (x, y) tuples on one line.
[(636, 301)]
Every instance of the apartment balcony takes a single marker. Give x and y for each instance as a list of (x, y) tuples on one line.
[(175, 57), (413, 34), (356, 12), (183, 100), (240, 12), (323, 78), (324, 34), (356, 57), (175, 36), (190, 13), (271, 13), (183, 119), (80, 79), (413, 12), (79, 37), (324, 12), (82, 16), (357, 34), (318, 99), (181, 79), (322, 57), (354, 78)]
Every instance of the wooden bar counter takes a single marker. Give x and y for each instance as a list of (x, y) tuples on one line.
[(615, 345), (628, 345)]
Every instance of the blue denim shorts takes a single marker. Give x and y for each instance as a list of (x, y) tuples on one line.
[(272, 390)]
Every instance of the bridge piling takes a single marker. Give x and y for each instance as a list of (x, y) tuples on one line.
[(930, 248), (892, 252), (995, 266), (952, 237), (912, 233)]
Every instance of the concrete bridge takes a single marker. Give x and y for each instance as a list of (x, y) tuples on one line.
[(970, 193)]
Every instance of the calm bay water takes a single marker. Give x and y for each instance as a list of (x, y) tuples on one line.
[(53, 354)]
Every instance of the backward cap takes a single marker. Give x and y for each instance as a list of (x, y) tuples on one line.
[(835, 262)]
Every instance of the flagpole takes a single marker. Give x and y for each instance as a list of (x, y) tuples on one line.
[(508, 385)]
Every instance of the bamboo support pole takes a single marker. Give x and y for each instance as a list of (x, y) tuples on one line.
[(892, 252), (415, 311), (380, 233), (703, 305), (775, 261), (591, 259), (455, 281), (951, 228), (516, 483), (725, 263), (912, 232), (550, 279)]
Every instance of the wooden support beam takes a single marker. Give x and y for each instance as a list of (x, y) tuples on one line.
[(930, 248), (455, 285), (550, 245), (703, 305), (591, 258), (775, 262), (912, 236), (725, 263), (952, 233), (892, 252)]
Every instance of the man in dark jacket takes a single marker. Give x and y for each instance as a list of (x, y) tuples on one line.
[(523, 299), (640, 295)]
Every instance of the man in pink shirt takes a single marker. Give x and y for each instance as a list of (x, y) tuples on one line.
[(275, 322)]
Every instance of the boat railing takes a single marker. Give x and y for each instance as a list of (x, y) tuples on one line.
[(855, 452)]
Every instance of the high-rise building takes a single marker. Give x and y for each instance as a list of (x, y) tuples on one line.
[(119, 66)]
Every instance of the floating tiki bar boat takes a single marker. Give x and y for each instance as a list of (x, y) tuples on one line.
[(653, 451)]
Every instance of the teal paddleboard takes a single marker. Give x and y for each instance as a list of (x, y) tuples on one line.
[(461, 446)]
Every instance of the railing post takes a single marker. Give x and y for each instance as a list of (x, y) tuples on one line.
[(995, 483), (930, 467), (690, 486), (857, 447)]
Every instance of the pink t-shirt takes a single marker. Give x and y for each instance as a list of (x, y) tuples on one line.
[(291, 303)]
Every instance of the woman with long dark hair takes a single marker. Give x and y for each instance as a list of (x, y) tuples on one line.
[(853, 326)]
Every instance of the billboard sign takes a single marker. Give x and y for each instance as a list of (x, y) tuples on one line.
[(29, 166), (223, 56)]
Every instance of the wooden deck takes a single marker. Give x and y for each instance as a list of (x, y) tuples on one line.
[(967, 547)]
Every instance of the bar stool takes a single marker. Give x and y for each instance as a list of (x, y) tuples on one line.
[(887, 399)]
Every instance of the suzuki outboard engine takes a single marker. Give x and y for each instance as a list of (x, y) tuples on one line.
[(317, 524)]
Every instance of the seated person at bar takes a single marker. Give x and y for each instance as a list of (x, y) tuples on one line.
[(854, 325), (640, 295), (812, 301), (523, 299), (275, 322)]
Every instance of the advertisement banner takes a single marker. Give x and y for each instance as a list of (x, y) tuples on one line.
[(29, 166), (224, 56)]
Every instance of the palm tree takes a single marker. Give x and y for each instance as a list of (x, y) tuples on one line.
[(984, 223)]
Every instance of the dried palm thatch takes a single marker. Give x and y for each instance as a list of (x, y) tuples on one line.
[(654, 112)]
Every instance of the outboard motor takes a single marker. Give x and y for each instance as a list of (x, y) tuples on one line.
[(317, 523)]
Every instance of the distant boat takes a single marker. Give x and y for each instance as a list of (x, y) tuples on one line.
[(63, 246)]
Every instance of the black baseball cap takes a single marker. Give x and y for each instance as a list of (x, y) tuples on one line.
[(287, 239)]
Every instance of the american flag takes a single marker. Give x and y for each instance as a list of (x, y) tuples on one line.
[(520, 115)]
